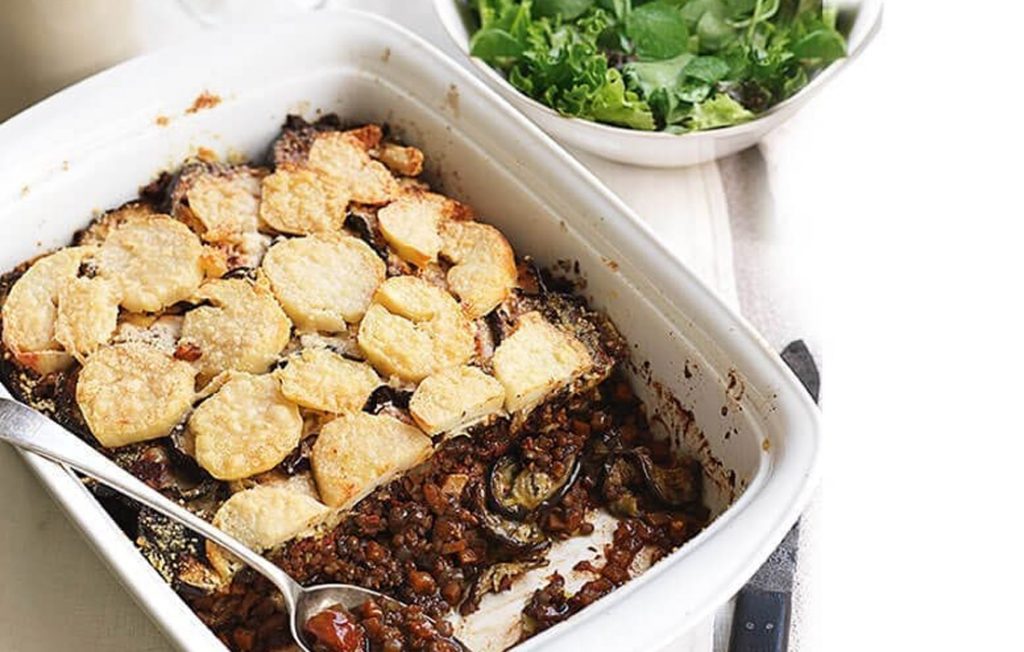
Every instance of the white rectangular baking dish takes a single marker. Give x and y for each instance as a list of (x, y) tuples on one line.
[(91, 146)]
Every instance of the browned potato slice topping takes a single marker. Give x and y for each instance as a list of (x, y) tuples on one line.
[(357, 453), (87, 310), (537, 360), (154, 260), (226, 206), (30, 311), (263, 517), (414, 329), (101, 228), (342, 157), (302, 201), (485, 266), (405, 161), (455, 398), (320, 379), (133, 392), (246, 427), (323, 282), (244, 329), (411, 224)]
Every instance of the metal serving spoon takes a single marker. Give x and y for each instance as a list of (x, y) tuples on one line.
[(25, 428)]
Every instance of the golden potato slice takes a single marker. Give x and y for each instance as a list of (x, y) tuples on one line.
[(321, 282), (101, 228), (406, 161), (154, 260), (359, 452), (30, 311), (485, 266), (342, 158), (413, 298), (414, 329), (455, 398), (410, 226), (244, 329), (225, 205), (537, 360), (133, 392), (302, 201), (261, 518), (394, 345), (87, 310), (246, 427), (320, 379)]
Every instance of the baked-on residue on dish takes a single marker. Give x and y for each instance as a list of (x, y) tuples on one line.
[(353, 374)]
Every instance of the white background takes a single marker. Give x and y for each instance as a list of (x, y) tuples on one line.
[(904, 179)]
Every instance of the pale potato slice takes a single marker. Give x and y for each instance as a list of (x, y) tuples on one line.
[(536, 361), (30, 311), (87, 310), (226, 206), (154, 260), (246, 427), (485, 266), (406, 161), (261, 518), (413, 298), (303, 201), (394, 345), (359, 452), (343, 159), (320, 379), (455, 398), (244, 329), (133, 392), (410, 226), (322, 282), (101, 228), (414, 329)]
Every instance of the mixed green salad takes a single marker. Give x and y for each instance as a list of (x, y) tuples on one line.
[(671, 65)]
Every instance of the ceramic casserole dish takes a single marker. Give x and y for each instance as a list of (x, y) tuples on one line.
[(757, 434)]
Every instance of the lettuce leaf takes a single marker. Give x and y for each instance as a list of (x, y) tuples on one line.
[(718, 111)]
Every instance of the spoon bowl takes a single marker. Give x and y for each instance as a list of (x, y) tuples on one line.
[(25, 428)]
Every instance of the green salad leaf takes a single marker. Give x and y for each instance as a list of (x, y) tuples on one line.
[(718, 111), (657, 30), (674, 65), (567, 9)]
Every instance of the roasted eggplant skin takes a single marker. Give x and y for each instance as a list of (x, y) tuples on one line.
[(518, 538), (630, 475), (516, 492)]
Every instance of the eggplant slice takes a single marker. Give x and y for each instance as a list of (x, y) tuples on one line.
[(515, 491)]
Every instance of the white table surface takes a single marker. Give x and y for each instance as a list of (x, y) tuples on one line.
[(55, 593)]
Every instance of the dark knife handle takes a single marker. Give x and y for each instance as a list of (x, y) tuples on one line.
[(761, 621)]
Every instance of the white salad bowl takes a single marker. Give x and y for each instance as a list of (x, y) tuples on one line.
[(861, 19)]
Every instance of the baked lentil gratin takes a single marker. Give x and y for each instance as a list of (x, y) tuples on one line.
[(352, 374)]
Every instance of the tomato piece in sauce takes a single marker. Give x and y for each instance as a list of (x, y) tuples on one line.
[(333, 630)]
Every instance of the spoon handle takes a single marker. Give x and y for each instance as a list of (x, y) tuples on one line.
[(27, 429)]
